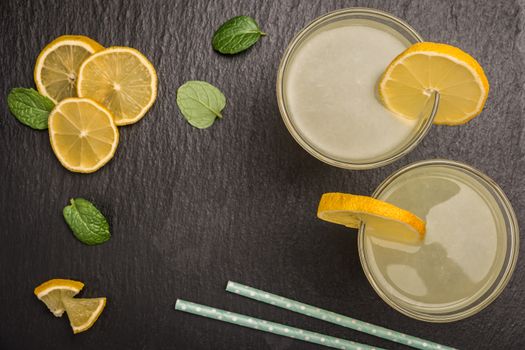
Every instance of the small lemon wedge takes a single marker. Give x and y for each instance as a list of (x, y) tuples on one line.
[(352, 210), (121, 79), (411, 77), (54, 291), (57, 65), (58, 295), (82, 134), (83, 313)]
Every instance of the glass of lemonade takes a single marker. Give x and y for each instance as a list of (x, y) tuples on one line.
[(327, 89), (469, 251)]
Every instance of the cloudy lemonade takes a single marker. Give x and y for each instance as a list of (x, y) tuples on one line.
[(329, 90), (464, 250)]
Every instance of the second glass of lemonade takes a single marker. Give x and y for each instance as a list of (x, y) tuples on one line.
[(327, 89), (469, 251)]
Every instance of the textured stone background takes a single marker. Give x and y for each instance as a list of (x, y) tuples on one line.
[(190, 209)]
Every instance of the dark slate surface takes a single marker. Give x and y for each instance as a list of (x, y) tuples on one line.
[(191, 209)]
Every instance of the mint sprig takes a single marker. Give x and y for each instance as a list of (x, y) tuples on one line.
[(87, 223), (30, 107), (236, 35)]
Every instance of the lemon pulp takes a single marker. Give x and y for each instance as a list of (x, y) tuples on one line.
[(57, 66), (122, 80), (407, 83), (82, 134)]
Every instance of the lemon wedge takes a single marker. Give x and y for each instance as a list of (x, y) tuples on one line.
[(82, 134), (122, 80), (83, 313), (54, 291), (411, 77), (381, 217), (56, 67), (58, 295)]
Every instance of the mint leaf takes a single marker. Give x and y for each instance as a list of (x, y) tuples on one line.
[(200, 103), (236, 35), (29, 107), (87, 223)]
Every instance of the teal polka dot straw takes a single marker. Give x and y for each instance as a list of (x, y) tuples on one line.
[(332, 317), (270, 327)]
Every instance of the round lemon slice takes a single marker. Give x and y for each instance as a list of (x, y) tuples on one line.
[(382, 217), (409, 80), (54, 291), (56, 67), (83, 313), (82, 134), (121, 79)]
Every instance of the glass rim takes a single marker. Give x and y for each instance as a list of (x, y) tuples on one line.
[(506, 271), (422, 130)]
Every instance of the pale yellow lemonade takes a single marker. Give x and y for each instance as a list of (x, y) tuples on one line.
[(463, 251), (330, 89)]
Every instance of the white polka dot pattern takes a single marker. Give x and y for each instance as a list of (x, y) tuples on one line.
[(267, 326), (333, 317)]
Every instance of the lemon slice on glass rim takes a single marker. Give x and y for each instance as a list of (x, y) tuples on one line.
[(411, 77), (390, 222), (57, 65)]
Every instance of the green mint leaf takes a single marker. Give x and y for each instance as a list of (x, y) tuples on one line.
[(200, 103), (29, 107), (236, 35), (87, 223)]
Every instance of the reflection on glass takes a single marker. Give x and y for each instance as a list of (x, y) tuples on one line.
[(463, 250)]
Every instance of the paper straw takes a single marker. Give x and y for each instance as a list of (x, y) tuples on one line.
[(270, 327), (332, 317)]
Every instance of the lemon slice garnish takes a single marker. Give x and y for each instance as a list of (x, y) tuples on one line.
[(409, 80), (83, 313), (83, 134), (57, 66), (381, 218), (122, 80), (54, 291)]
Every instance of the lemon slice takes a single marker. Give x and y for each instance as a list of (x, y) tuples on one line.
[(83, 313), (54, 291), (424, 67), (83, 134), (121, 79), (56, 67), (382, 218)]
